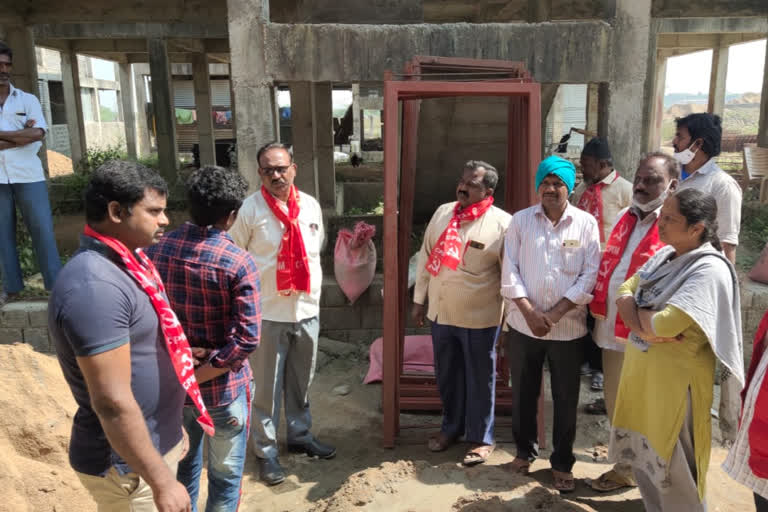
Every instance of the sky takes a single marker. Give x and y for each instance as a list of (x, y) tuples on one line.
[(690, 73)]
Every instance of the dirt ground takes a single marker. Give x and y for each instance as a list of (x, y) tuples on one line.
[(38, 409)]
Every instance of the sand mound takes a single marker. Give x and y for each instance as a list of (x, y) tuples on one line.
[(34, 433), (58, 164), (417, 486)]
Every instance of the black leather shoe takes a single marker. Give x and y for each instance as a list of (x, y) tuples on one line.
[(270, 471), (314, 448)]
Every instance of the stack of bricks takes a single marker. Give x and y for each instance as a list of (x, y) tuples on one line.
[(26, 322)]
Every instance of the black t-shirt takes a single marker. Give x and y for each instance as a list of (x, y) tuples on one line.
[(96, 306)]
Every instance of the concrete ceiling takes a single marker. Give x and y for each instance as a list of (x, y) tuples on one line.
[(354, 11)]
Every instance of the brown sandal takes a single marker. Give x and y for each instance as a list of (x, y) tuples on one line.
[(611, 481), (439, 442), (519, 466), (564, 482), (478, 454)]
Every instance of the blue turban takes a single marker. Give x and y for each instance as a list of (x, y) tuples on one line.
[(560, 167)]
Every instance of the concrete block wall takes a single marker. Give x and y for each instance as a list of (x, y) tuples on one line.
[(26, 322), (754, 304)]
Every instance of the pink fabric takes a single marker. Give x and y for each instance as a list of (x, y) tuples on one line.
[(354, 260), (417, 357)]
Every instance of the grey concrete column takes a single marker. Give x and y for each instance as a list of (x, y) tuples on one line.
[(627, 117), (202, 84), (323, 124), (303, 136), (143, 143), (129, 108), (539, 10), (716, 100), (656, 114), (356, 114), (252, 87), (24, 71), (593, 106), (73, 105), (162, 104), (762, 130)]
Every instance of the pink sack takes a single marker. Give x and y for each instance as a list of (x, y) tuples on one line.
[(354, 260)]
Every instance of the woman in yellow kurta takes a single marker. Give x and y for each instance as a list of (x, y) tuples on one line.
[(683, 309)]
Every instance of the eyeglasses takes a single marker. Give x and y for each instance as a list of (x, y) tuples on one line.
[(269, 171)]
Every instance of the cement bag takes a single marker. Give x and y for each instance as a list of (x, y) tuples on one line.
[(354, 260)]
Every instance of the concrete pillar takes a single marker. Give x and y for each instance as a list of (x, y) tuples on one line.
[(303, 136), (762, 130), (603, 96), (627, 118), (202, 85), (593, 107), (143, 143), (323, 150), (162, 103), (73, 105), (654, 141), (250, 83), (357, 132), (24, 71), (129, 107), (716, 100)]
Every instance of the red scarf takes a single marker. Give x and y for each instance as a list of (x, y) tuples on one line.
[(591, 201), (292, 262), (758, 428), (614, 249), (150, 282), (448, 247)]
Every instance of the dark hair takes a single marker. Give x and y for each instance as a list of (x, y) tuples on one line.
[(704, 126), (213, 193), (491, 176), (121, 181), (273, 145), (6, 50), (671, 166), (697, 206), (598, 149)]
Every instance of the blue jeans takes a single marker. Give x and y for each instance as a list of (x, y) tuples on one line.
[(32, 200), (226, 454)]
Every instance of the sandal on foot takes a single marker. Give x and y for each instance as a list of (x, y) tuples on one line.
[(564, 482), (479, 454), (439, 442), (611, 481), (519, 466), (596, 407)]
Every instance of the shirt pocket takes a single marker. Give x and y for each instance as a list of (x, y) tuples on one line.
[(572, 260), (478, 257), (19, 118)]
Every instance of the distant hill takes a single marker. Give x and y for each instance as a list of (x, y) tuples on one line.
[(747, 98), (679, 98), (741, 115)]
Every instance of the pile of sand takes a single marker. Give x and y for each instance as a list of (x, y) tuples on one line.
[(58, 164), (35, 420), (420, 487)]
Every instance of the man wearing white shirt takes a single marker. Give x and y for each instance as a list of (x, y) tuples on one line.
[(283, 229), (551, 256), (633, 240), (697, 143), (22, 183)]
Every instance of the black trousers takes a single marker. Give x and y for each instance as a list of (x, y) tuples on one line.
[(593, 355), (526, 357), (761, 504)]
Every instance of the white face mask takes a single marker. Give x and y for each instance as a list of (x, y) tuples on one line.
[(685, 156), (652, 204)]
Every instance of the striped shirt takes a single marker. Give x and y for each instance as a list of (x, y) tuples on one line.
[(546, 262), (736, 465)]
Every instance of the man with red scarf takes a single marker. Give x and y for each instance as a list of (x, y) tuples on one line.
[(459, 272), (633, 240), (603, 193), (283, 229), (122, 350)]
